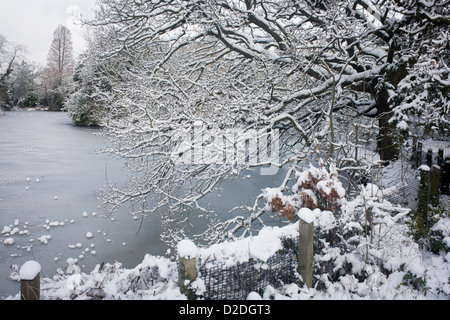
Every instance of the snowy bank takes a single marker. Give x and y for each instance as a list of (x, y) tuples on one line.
[(396, 269), (363, 251)]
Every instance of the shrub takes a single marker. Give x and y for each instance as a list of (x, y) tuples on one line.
[(31, 100)]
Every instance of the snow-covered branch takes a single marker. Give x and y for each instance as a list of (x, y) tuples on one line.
[(188, 89)]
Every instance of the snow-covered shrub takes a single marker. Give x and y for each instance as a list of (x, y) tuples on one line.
[(363, 248), (315, 188), (434, 236), (89, 96)]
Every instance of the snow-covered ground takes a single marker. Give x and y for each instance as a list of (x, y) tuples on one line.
[(387, 264)]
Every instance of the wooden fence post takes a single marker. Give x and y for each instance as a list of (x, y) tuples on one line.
[(30, 282), (414, 144), (187, 267), (418, 155), (429, 157), (306, 245), (423, 202), (435, 185), (440, 158), (445, 178), (424, 189)]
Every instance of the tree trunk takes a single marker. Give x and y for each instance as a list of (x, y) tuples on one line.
[(388, 137), (388, 143)]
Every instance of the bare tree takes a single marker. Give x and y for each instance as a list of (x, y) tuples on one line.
[(8, 55), (59, 69), (60, 57)]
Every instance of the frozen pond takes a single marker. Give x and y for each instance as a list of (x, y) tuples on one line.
[(50, 175)]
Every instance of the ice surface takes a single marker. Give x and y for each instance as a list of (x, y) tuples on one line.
[(76, 174)]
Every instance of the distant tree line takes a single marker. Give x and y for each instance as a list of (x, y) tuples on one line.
[(26, 84)]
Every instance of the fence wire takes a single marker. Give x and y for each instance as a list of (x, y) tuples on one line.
[(406, 193), (408, 185), (236, 282)]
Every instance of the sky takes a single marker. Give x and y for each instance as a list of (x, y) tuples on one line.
[(31, 23)]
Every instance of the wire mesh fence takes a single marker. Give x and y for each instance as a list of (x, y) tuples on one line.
[(407, 178), (406, 193), (236, 282)]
